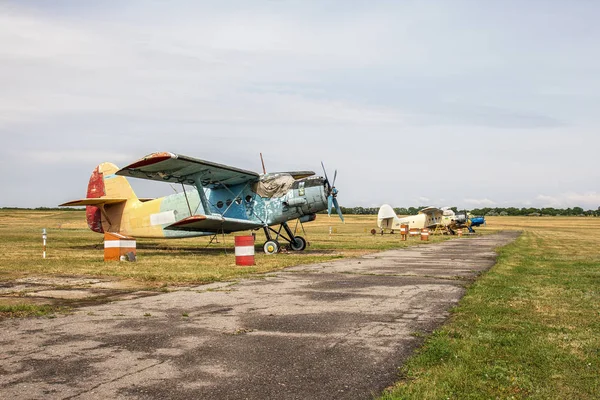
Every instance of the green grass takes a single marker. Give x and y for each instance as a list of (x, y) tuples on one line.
[(528, 329), (28, 310)]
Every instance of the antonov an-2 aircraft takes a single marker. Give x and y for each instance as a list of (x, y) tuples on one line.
[(225, 199), (429, 217)]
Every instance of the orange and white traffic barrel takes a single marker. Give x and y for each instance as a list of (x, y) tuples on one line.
[(424, 234), (459, 231), (403, 231), (244, 250)]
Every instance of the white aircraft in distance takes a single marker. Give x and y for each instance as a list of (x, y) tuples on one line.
[(429, 217)]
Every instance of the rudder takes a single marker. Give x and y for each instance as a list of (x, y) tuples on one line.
[(104, 183), (385, 216)]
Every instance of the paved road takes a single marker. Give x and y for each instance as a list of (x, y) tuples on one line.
[(336, 330)]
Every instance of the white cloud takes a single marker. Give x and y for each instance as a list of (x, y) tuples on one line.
[(589, 200), (480, 202), (373, 90), (76, 156)]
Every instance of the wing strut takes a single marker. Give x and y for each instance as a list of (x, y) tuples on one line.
[(186, 199)]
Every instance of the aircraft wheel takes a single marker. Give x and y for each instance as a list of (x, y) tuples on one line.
[(298, 244), (271, 247)]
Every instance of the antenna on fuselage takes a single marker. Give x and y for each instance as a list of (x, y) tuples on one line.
[(263, 163)]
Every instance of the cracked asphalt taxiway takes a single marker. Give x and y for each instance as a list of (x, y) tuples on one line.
[(336, 330)]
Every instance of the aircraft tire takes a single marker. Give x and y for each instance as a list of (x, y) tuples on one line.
[(298, 243), (271, 247)]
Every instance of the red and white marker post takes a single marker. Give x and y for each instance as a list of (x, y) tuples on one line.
[(44, 237)]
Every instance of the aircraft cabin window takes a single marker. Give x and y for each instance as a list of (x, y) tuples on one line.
[(238, 200), (228, 202), (219, 204), (248, 199)]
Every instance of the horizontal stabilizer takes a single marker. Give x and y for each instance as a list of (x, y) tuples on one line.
[(212, 223), (92, 202)]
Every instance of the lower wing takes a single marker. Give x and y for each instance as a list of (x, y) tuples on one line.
[(213, 223)]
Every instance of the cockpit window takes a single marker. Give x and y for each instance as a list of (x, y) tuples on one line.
[(301, 189), (308, 182)]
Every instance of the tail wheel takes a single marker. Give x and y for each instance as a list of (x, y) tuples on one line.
[(298, 243), (271, 247)]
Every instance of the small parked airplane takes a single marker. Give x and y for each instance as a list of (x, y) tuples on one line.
[(225, 199), (429, 217)]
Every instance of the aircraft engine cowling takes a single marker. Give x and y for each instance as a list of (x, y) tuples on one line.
[(308, 218), (460, 218), (295, 202)]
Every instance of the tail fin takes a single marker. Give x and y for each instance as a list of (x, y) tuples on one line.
[(104, 183), (104, 188), (385, 216)]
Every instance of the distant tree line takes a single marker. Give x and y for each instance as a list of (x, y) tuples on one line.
[(375, 210), (43, 208), (512, 211), (532, 211)]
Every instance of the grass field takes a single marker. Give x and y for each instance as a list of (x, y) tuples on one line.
[(528, 328)]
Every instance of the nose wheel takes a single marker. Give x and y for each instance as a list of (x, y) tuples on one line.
[(272, 246)]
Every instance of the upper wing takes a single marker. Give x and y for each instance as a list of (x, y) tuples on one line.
[(297, 174), (175, 168), (430, 210), (212, 223), (92, 202)]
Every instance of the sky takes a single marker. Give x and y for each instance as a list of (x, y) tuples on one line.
[(445, 103)]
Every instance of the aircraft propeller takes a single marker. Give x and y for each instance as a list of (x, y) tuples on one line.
[(332, 193)]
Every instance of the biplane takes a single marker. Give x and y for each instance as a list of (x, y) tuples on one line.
[(429, 217), (222, 199)]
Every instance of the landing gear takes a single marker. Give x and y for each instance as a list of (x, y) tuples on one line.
[(298, 243), (272, 246)]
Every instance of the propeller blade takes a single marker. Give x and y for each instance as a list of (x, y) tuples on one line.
[(334, 176), (325, 173), (338, 209), (329, 204)]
